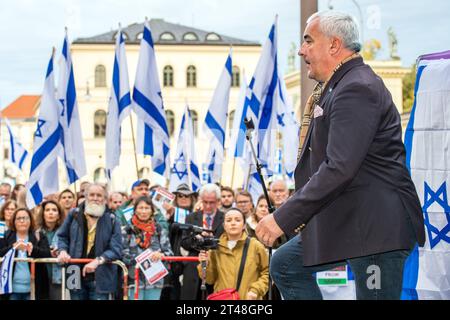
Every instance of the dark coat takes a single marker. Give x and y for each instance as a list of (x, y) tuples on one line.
[(108, 244), (41, 249), (191, 280), (353, 193)]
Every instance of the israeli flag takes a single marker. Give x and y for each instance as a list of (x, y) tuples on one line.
[(153, 134), (119, 106), (6, 277), (72, 138), (18, 154), (46, 146), (289, 128), (184, 168), (216, 122), (255, 187), (426, 274)]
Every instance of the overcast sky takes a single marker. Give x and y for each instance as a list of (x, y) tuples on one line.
[(30, 28)]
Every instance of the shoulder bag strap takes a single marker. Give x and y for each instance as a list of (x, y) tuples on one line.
[(241, 268)]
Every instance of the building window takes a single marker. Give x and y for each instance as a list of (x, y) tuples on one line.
[(99, 123), (194, 117), (144, 173), (170, 119), (231, 120), (168, 76), (100, 76), (235, 77), (99, 175), (190, 36), (167, 36), (191, 77), (6, 153), (212, 37)]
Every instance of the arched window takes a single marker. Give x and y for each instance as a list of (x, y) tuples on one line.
[(144, 173), (190, 36), (168, 76), (235, 77), (99, 123), (231, 120), (99, 175), (167, 36), (194, 117), (170, 119), (100, 76), (212, 37), (191, 76)]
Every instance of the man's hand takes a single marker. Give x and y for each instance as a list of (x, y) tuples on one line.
[(170, 210), (63, 257), (203, 256), (268, 230), (90, 267)]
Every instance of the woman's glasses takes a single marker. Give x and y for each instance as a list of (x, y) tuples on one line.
[(23, 219)]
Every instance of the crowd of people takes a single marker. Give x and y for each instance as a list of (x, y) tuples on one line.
[(108, 226)]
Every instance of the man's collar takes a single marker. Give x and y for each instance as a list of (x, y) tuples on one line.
[(341, 71)]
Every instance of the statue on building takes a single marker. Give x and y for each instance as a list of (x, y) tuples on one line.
[(393, 43), (291, 58)]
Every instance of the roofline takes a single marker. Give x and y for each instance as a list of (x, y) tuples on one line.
[(194, 43)]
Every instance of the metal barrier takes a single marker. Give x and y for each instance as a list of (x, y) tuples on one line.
[(170, 259), (63, 284)]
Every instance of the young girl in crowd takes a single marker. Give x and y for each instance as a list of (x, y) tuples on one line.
[(50, 218), (261, 210), (144, 233), (28, 244), (223, 263)]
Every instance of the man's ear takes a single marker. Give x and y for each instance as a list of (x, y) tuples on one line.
[(335, 46)]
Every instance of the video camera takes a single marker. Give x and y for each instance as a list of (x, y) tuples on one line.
[(198, 241)]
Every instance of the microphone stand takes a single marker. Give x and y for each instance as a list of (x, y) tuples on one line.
[(250, 127)]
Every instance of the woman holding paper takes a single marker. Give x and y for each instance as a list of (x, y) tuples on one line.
[(142, 234), (223, 264), (28, 244)]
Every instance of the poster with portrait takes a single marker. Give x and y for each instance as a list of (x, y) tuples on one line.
[(152, 270)]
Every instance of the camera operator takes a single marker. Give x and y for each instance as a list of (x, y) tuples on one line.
[(208, 218)]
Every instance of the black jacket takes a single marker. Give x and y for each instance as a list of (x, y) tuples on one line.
[(41, 249), (354, 195)]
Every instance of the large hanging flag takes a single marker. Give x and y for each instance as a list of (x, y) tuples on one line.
[(18, 154), (72, 138), (216, 122), (184, 167), (426, 274), (6, 276), (119, 105), (153, 134), (289, 128), (46, 146)]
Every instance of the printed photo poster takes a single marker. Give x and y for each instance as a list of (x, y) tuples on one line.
[(153, 271), (162, 196)]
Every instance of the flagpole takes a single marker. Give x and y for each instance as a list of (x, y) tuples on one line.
[(134, 146), (188, 159), (232, 173)]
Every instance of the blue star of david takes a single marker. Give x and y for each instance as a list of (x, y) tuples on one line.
[(40, 124), (180, 172), (4, 276), (440, 197), (280, 119)]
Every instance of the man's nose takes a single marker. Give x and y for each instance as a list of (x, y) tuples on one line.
[(301, 51)]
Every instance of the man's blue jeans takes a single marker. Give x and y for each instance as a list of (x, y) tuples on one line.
[(297, 282), (87, 292)]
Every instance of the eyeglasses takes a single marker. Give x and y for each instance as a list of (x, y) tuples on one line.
[(23, 219), (243, 202), (180, 195)]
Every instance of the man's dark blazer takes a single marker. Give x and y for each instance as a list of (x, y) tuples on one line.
[(354, 195), (191, 280)]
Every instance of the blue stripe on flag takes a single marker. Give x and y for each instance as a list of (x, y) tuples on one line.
[(272, 33), (36, 193), (11, 139), (116, 81), (64, 50), (49, 68), (72, 174), (228, 65), (150, 108), (45, 149), (124, 102), (71, 96), (25, 153), (162, 167), (267, 110), (148, 140), (148, 37), (215, 127)]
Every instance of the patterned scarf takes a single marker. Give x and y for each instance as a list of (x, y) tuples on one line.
[(313, 100), (144, 231)]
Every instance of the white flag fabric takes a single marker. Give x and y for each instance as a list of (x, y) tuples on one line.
[(43, 178), (426, 274), (255, 187), (72, 138), (153, 133), (119, 106), (184, 166), (6, 275), (289, 128), (18, 154), (216, 122)]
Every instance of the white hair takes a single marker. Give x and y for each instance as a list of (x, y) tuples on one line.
[(105, 193), (338, 24), (210, 188)]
